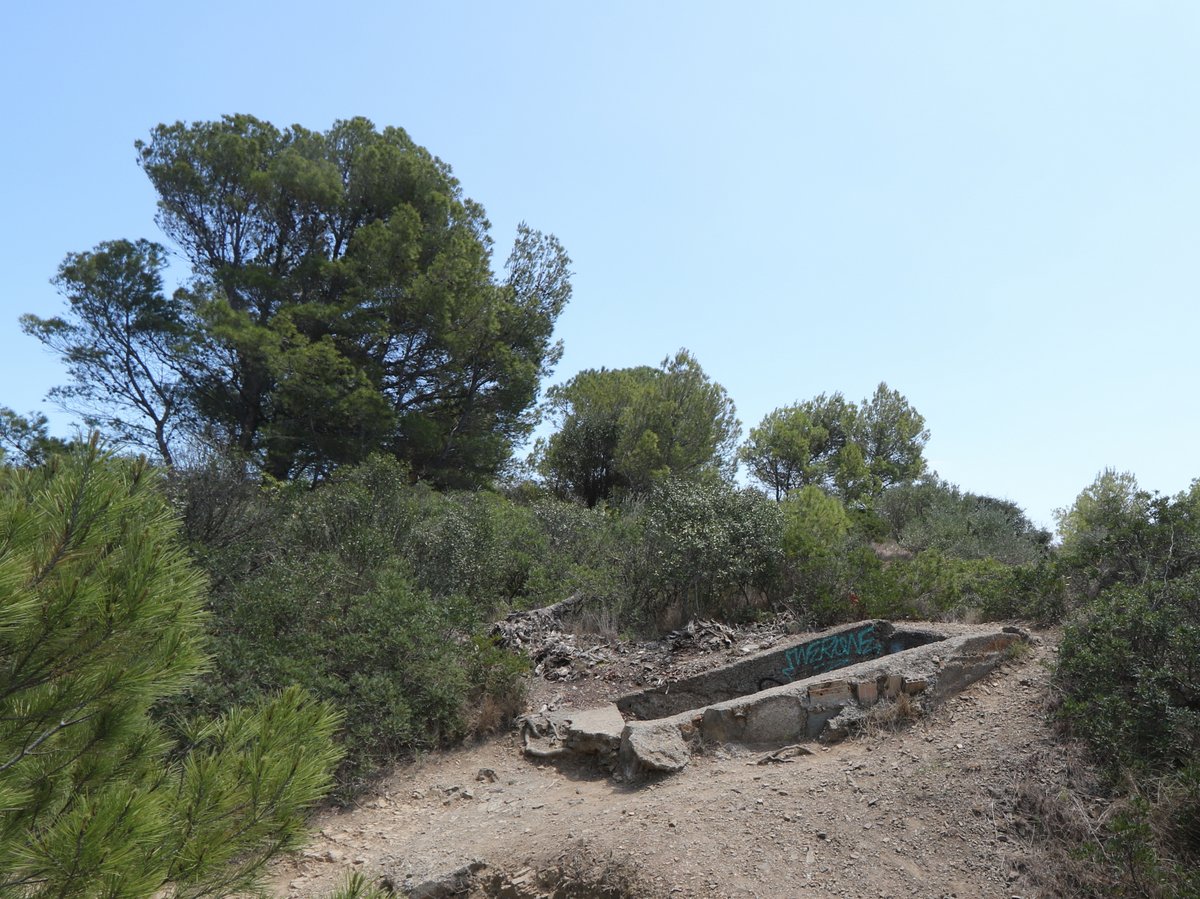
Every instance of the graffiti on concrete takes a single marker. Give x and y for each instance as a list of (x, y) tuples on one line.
[(834, 651)]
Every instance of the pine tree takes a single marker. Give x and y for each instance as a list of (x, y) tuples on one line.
[(100, 616)]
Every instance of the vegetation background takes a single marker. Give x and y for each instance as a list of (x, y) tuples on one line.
[(359, 453)]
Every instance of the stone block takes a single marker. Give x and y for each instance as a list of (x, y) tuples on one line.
[(723, 725), (775, 719), (892, 686), (867, 693), (595, 731), (829, 695)]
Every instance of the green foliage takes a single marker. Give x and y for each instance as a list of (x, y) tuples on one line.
[(1116, 533), (1129, 671), (625, 430), (365, 591), (126, 345), (26, 441), (893, 436), (933, 514), (1111, 503), (102, 617), (357, 887), (834, 573), (706, 548), (853, 451), (1148, 847), (935, 585), (476, 544), (341, 303), (818, 548), (592, 554)]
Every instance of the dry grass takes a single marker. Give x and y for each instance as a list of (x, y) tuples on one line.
[(1137, 845), (1017, 650), (890, 715)]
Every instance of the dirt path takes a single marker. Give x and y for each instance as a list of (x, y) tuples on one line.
[(926, 812)]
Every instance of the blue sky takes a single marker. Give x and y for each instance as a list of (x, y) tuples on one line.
[(993, 207)]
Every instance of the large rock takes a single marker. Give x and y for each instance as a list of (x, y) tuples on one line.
[(652, 746)]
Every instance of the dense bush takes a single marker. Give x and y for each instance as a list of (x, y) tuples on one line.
[(824, 560), (936, 585), (932, 514), (1128, 665), (366, 592), (1128, 671), (591, 554), (834, 573), (706, 548), (1128, 675)]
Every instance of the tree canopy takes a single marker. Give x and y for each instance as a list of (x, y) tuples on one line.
[(846, 449), (626, 429), (340, 301)]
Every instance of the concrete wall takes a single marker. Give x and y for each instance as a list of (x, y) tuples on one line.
[(796, 660)]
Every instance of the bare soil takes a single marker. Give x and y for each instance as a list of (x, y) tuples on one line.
[(926, 810)]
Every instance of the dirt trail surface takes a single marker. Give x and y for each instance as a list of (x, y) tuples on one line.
[(926, 811)]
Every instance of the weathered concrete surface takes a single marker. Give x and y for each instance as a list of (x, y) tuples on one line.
[(826, 705), (596, 732), (793, 660)]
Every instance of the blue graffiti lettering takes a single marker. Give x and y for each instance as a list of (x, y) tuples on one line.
[(834, 651)]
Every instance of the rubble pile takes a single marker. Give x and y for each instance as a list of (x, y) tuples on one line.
[(559, 653)]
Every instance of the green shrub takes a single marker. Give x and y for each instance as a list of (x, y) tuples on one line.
[(823, 561), (933, 514), (1130, 675), (589, 553), (475, 544), (707, 548), (366, 591)]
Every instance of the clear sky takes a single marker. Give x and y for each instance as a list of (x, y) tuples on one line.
[(994, 207)]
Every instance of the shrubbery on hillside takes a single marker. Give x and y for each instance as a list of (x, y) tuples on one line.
[(371, 593), (1128, 674)]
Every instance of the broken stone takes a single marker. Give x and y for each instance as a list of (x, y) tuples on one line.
[(913, 687), (843, 724), (833, 693), (652, 746), (595, 731), (442, 886)]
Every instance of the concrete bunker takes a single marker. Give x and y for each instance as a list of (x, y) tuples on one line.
[(812, 688), (829, 651)]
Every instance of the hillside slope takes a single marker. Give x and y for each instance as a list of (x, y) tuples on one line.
[(928, 810)]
